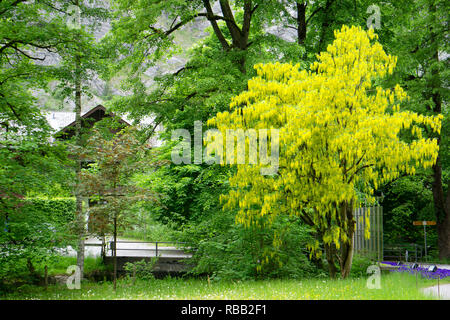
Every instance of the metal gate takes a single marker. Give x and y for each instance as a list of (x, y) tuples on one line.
[(372, 219)]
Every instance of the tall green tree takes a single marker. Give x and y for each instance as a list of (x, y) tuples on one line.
[(80, 60), (417, 31), (149, 34), (29, 33)]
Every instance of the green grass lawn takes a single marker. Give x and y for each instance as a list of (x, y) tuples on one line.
[(393, 287)]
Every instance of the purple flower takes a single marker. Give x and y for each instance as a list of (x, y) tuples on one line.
[(439, 273)]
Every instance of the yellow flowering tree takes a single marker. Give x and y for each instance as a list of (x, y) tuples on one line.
[(339, 134)]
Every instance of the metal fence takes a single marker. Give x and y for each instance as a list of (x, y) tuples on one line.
[(408, 252), (158, 246), (371, 217)]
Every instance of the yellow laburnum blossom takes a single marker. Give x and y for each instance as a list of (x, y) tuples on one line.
[(337, 133)]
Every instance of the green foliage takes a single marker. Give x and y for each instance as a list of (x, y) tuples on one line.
[(188, 192), (145, 33), (34, 234), (30, 33), (28, 232), (57, 211), (210, 77), (142, 269), (227, 250), (59, 264), (360, 264), (18, 274), (417, 32), (145, 227), (406, 200), (107, 181)]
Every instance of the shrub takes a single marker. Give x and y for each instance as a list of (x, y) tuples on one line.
[(228, 251), (360, 265), (57, 211), (142, 269), (34, 233)]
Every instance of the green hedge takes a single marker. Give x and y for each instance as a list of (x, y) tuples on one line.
[(31, 234), (57, 211)]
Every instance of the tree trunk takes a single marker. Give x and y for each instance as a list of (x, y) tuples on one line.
[(441, 209), (347, 247), (347, 259), (46, 277), (443, 229), (329, 253), (215, 26), (235, 32), (301, 23), (78, 196), (30, 267), (239, 36), (115, 253)]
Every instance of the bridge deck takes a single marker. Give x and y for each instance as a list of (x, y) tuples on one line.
[(170, 258)]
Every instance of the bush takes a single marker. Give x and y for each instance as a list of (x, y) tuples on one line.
[(57, 211), (146, 228), (406, 200), (34, 233), (360, 265), (142, 269), (228, 251)]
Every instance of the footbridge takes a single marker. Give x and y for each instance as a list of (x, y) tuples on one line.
[(172, 256)]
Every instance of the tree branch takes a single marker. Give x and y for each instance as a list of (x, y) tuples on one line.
[(13, 76), (11, 107), (359, 169), (216, 28), (14, 4), (291, 27), (27, 55), (231, 23), (248, 12), (313, 13)]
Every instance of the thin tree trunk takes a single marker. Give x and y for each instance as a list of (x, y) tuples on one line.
[(115, 253), (46, 277), (347, 247), (301, 23), (329, 253), (30, 267), (78, 141), (442, 211), (443, 230), (347, 258), (217, 31), (78, 196)]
